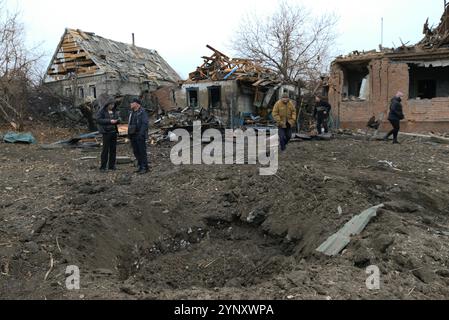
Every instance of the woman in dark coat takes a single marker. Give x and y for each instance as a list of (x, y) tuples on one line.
[(108, 119), (395, 117)]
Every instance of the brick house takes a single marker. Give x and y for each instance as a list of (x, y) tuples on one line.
[(362, 84)]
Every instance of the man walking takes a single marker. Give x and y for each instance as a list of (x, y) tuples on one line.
[(284, 113), (395, 117), (138, 134), (107, 119), (321, 114)]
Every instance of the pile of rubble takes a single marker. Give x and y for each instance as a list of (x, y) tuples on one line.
[(181, 119), (185, 118), (439, 36), (220, 67)]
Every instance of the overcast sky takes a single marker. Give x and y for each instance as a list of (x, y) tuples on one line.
[(180, 30)]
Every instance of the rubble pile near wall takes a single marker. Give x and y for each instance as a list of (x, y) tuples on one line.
[(220, 67), (185, 118)]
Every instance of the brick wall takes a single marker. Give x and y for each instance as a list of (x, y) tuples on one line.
[(386, 78)]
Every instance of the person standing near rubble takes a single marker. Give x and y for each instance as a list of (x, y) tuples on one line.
[(321, 114), (395, 117), (108, 119), (138, 134), (284, 113)]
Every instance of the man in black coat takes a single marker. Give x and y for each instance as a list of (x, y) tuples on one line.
[(321, 114), (107, 120), (138, 134), (395, 117)]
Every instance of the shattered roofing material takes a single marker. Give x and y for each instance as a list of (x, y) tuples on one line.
[(435, 42), (219, 67), (85, 53), (438, 37)]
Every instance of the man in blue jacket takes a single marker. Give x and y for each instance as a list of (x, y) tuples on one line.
[(395, 117), (138, 134)]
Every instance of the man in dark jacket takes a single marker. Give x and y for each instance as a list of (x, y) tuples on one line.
[(321, 114), (395, 117), (107, 120), (138, 134)]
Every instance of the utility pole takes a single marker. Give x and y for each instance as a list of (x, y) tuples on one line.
[(382, 34)]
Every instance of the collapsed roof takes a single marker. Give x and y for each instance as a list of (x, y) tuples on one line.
[(434, 45), (85, 54), (439, 36), (219, 67)]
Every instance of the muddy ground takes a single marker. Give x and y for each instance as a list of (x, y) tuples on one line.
[(183, 231)]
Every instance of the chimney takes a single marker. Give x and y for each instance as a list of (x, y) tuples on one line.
[(134, 41)]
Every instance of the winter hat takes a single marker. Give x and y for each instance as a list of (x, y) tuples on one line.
[(108, 101), (136, 100)]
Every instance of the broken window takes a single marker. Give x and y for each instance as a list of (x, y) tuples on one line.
[(214, 97), (356, 81), (81, 92), (428, 82), (192, 97), (93, 91)]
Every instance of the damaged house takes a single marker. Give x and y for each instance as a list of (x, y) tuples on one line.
[(236, 91), (362, 84), (87, 65)]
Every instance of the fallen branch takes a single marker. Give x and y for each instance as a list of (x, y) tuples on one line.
[(210, 263), (51, 267), (86, 158), (57, 244), (282, 179), (24, 198)]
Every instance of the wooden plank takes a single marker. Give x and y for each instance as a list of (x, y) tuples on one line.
[(217, 52), (256, 84)]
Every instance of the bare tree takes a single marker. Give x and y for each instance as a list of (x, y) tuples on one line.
[(292, 41), (16, 68)]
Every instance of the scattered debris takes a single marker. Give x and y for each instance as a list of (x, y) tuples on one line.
[(389, 164)]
